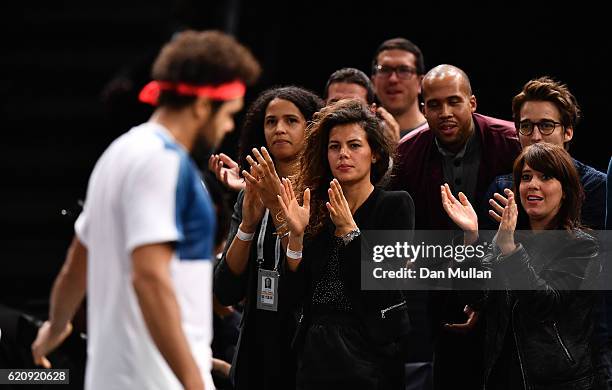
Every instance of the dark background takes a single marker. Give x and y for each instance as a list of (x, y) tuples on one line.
[(71, 72)]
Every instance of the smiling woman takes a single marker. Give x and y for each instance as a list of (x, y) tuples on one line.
[(549, 188), (539, 327)]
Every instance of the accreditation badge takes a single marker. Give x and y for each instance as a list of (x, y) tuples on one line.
[(267, 289)]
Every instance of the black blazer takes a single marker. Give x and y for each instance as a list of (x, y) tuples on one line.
[(384, 313)]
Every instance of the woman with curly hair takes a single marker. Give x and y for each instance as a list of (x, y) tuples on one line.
[(252, 265), (348, 337)]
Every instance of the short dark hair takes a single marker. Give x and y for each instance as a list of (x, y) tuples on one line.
[(352, 76), (401, 44), (548, 90), (315, 172), (253, 136), (202, 58), (554, 161)]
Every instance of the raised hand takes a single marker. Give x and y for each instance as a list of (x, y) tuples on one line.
[(339, 209), (227, 171), (507, 226), (264, 177), (252, 209), (497, 204), (460, 211), (392, 128), (296, 216)]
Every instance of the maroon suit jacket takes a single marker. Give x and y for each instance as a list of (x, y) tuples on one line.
[(419, 168)]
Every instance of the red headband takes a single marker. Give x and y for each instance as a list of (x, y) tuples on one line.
[(227, 91)]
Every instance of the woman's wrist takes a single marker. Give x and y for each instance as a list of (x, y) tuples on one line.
[(470, 237), (295, 241), (507, 249), (344, 230), (294, 247), (247, 227)]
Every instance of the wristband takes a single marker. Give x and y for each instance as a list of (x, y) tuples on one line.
[(242, 236), (294, 254)]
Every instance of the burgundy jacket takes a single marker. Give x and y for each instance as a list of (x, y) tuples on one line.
[(419, 169)]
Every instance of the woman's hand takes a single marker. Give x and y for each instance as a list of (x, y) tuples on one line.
[(252, 209), (339, 210), (226, 170), (264, 178), (497, 203), (296, 216), (507, 226)]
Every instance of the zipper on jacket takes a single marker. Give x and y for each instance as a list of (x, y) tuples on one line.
[(518, 349), (560, 340), (384, 311)]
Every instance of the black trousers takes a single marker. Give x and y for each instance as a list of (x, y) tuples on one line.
[(338, 353)]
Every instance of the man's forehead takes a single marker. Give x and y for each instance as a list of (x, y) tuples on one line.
[(448, 84), (234, 105), (396, 55)]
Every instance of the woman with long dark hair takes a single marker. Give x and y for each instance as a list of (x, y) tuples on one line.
[(252, 265), (348, 338), (539, 327)]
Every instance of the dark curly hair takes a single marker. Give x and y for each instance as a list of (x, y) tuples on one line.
[(202, 58), (315, 172), (252, 135)]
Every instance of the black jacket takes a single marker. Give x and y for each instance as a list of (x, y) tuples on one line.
[(384, 314), (544, 311)]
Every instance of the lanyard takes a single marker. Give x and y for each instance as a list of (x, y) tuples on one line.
[(260, 243)]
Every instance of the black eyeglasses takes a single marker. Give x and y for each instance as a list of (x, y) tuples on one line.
[(546, 127), (403, 71)]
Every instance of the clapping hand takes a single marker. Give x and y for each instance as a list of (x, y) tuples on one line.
[(297, 216), (497, 204), (460, 211), (226, 170), (339, 209), (264, 178), (252, 209), (507, 226)]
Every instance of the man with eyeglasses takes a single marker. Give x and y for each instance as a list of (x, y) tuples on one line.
[(397, 70), (546, 111)]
